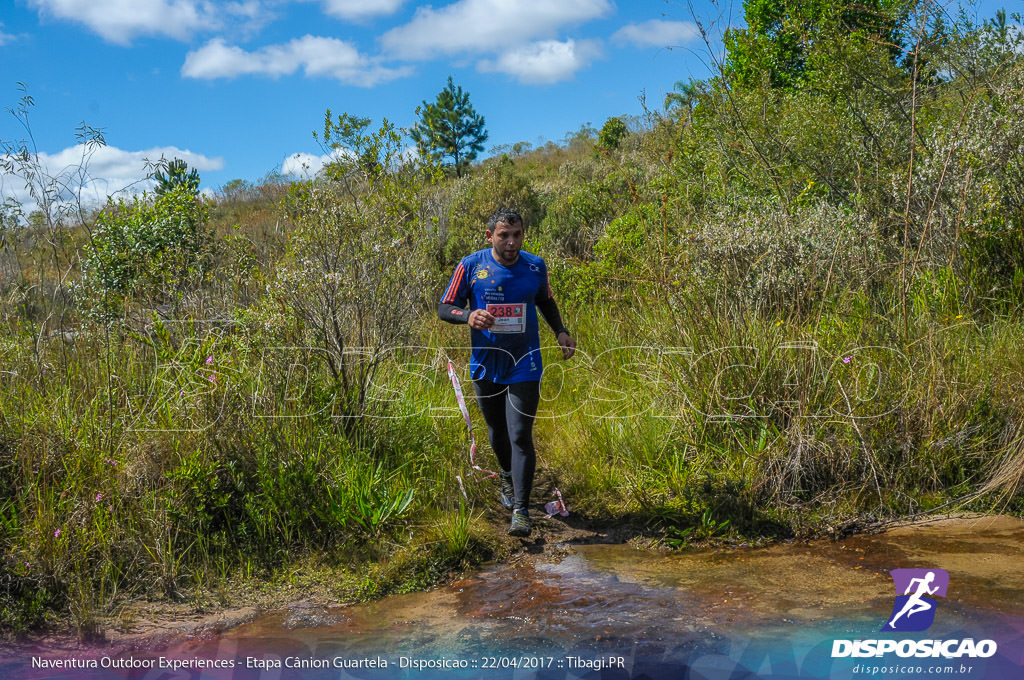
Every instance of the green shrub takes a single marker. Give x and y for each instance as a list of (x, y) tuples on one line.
[(611, 135), (358, 259), (574, 222), (475, 198), (153, 247), (760, 257), (631, 249)]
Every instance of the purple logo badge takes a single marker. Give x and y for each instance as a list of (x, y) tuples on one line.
[(916, 590)]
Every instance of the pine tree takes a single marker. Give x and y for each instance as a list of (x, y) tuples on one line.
[(450, 128), (174, 174)]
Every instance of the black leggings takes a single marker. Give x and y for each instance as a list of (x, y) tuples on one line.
[(509, 411)]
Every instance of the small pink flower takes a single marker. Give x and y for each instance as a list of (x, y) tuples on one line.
[(28, 565), (56, 533), (182, 393), (99, 497), (209, 359), (212, 378), (111, 463), (847, 360)]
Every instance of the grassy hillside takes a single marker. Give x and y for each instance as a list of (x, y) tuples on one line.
[(797, 307)]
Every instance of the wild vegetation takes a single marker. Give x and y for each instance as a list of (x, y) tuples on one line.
[(797, 299)]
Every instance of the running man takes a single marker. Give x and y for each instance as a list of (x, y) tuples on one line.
[(505, 286), (916, 603)]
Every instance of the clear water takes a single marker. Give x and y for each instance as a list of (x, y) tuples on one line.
[(609, 611)]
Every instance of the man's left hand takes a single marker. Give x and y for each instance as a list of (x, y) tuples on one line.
[(567, 344)]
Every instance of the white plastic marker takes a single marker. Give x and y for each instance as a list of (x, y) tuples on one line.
[(469, 421), (556, 507), (459, 480)]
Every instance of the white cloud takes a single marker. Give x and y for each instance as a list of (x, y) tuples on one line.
[(657, 33), (486, 26), (357, 10), (545, 62), (109, 170), (316, 56), (246, 18), (5, 37), (306, 165), (216, 59), (120, 21), (302, 165)]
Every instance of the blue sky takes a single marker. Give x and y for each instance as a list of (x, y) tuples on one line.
[(236, 88)]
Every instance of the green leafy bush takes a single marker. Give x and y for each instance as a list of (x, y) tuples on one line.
[(574, 222), (760, 257), (632, 245), (612, 133), (358, 258), (155, 247), (475, 198)]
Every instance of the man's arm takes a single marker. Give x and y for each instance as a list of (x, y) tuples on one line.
[(549, 309), (452, 314), (545, 302), (479, 319), (452, 305)]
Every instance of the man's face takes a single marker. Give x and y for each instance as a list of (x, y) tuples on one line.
[(506, 240)]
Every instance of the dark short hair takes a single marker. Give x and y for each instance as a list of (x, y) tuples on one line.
[(507, 216)]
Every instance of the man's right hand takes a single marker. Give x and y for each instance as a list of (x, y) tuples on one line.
[(481, 319)]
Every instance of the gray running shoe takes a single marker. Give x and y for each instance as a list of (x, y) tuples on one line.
[(507, 494), (521, 525)]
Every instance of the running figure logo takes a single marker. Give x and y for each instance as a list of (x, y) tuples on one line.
[(914, 610)]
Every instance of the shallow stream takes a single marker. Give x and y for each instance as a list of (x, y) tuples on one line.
[(611, 611)]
